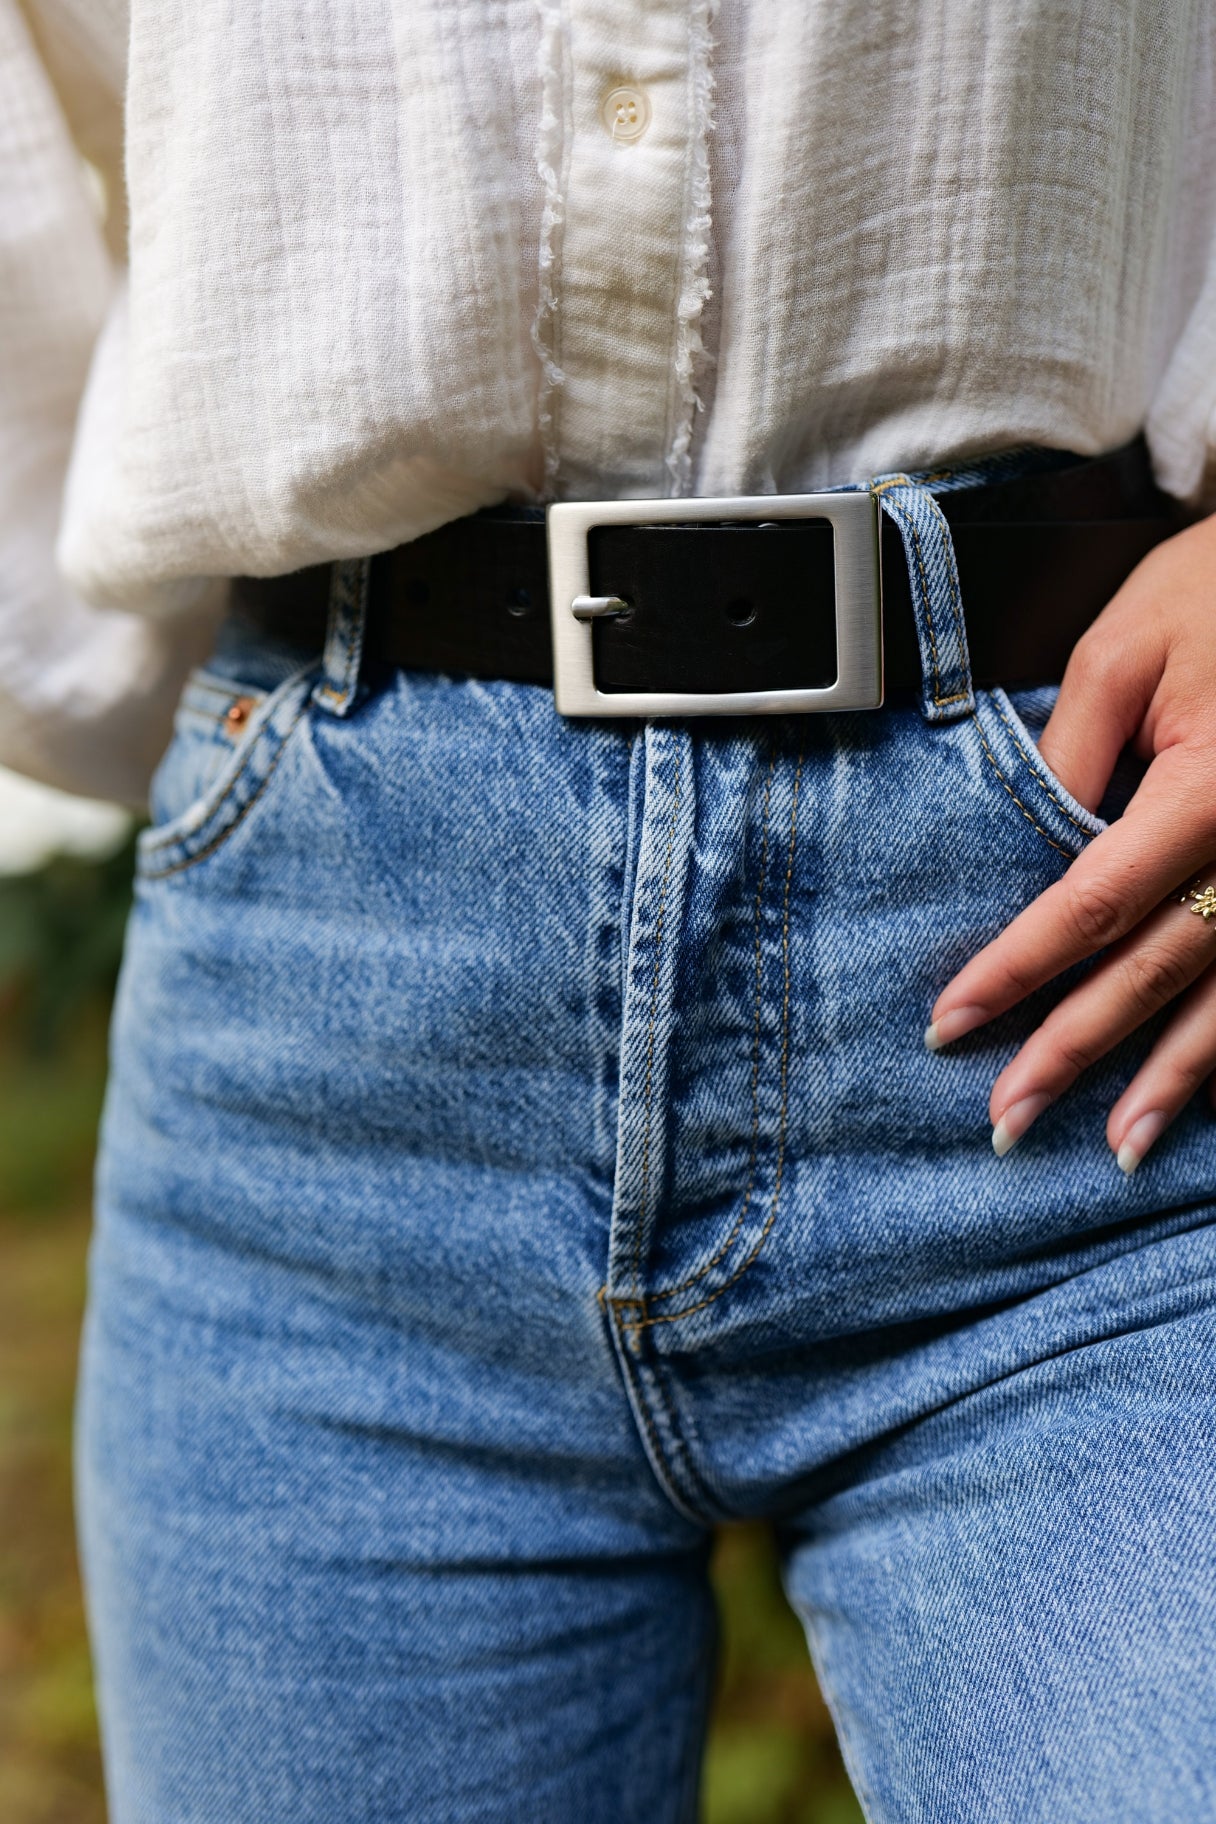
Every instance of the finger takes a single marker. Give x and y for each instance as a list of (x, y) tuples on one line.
[(1108, 683), (1154, 965), (1162, 839), (1178, 1065)]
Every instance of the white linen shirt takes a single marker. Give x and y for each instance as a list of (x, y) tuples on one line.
[(389, 261)]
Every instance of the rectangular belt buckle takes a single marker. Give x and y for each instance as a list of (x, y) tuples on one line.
[(855, 544)]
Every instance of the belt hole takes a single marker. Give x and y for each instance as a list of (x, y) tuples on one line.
[(741, 612), (519, 603)]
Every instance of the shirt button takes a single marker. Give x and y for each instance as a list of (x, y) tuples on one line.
[(625, 113)]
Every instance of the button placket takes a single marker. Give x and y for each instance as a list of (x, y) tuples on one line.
[(623, 263)]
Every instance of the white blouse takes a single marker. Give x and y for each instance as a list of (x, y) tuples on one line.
[(392, 260)]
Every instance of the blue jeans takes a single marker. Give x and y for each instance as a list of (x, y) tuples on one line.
[(519, 1155)]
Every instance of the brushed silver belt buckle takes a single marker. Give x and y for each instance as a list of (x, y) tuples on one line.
[(854, 518)]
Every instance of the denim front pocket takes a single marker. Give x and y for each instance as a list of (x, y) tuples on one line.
[(212, 721), (228, 735), (1006, 725)]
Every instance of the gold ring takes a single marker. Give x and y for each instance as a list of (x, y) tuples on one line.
[(1203, 900)]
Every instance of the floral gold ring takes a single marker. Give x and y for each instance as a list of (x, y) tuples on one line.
[(1202, 900)]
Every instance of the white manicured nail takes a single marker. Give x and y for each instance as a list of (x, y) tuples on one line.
[(953, 1025), (1138, 1138), (1015, 1120)]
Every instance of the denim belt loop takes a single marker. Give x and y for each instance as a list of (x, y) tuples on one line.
[(946, 692), (335, 689)]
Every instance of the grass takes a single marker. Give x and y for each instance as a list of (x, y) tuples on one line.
[(50, 1769)]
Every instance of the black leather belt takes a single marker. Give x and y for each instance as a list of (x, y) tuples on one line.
[(742, 605)]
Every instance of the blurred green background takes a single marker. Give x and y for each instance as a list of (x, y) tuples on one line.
[(772, 1756)]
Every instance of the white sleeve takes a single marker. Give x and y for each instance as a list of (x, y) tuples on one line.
[(86, 695)]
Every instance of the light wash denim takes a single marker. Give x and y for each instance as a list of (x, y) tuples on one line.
[(521, 1154)]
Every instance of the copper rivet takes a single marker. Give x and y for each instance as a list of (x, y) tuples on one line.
[(238, 711)]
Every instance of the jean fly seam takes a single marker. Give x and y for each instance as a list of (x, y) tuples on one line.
[(1028, 815), (1041, 783), (635, 1325), (728, 1244), (648, 1091), (188, 861)]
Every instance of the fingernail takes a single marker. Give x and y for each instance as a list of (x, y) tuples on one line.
[(953, 1025), (1138, 1138), (1015, 1120)]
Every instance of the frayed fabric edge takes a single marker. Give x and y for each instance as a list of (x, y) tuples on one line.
[(548, 161), (694, 263)]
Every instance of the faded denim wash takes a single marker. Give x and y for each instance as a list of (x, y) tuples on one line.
[(519, 1155)]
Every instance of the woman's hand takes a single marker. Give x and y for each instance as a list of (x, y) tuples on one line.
[(1145, 672)]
